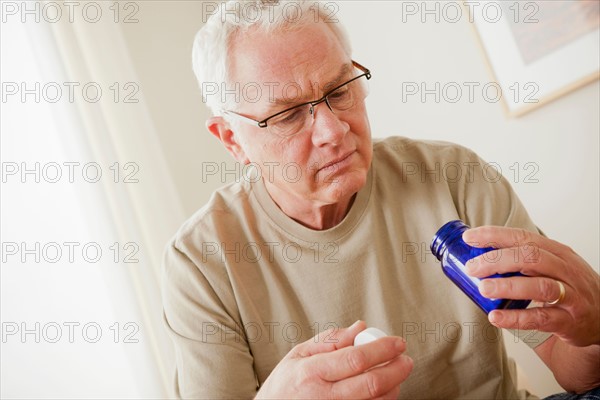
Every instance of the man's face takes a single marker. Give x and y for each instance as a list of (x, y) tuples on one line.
[(328, 162)]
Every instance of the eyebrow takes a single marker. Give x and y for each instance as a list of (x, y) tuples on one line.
[(330, 85)]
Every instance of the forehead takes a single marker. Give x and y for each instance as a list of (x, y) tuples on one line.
[(308, 55)]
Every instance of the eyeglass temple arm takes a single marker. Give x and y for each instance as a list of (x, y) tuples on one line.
[(261, 124), (363, 69)]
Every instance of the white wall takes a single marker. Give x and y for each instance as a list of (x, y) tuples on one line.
[(160, 46), (561, 137)]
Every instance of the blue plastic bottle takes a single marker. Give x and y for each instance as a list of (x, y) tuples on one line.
[(448, 246)]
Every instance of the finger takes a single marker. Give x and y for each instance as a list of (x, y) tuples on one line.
[(524, 288), (329, 340), (376, 382), (528, 260), (352, 361), (503, 237), (544, 319)]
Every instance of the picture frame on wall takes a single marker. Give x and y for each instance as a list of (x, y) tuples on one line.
[(538, 51)]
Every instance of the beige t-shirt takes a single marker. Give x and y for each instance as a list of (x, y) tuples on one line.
[(244, 283)]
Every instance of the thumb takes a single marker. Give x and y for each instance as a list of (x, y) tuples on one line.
[(330, 340)]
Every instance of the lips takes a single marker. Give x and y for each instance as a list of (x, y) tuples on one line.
[(337, 161)]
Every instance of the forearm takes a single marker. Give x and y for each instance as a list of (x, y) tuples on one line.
[(576, 369)]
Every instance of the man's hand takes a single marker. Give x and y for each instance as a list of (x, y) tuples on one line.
[(574, 351), (329, 366), (574, 319)]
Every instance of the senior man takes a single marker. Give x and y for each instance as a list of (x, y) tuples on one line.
[(263, 284)]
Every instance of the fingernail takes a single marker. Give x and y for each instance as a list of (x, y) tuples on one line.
[(354, 325), (400, 344), (495, 318), (408, 360), (472, 265), (467, 234), (487, 287)]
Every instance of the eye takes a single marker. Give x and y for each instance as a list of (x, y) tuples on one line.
[(341, 93), (290, 116)]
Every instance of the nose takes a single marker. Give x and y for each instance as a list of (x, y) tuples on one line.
[(327, 127)]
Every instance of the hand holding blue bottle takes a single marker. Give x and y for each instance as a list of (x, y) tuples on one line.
[(454, 254), (565, 284)]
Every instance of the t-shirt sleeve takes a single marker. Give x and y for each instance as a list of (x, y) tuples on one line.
[(212, 355), (487, 198)]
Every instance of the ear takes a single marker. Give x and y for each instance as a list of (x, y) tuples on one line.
[(221, 129)]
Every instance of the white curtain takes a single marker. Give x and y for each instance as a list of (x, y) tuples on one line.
[(128, 213)]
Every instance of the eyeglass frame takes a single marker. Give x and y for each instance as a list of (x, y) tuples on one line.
[(263, 123)]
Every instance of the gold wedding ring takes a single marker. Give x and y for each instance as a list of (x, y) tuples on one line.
[(561, 296)]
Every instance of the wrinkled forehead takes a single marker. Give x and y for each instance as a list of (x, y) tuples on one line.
[(286, 66)]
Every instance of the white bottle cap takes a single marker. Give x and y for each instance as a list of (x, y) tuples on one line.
[(368, 335)]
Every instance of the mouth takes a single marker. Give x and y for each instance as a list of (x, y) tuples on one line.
[(337, 163)]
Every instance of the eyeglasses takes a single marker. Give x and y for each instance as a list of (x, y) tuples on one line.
[(294, 120)]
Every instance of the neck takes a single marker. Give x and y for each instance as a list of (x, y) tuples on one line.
[(312, 214)]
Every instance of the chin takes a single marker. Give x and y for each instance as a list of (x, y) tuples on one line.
[(345, 186)]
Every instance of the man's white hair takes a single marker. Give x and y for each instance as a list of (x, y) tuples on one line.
[(212, 42)]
